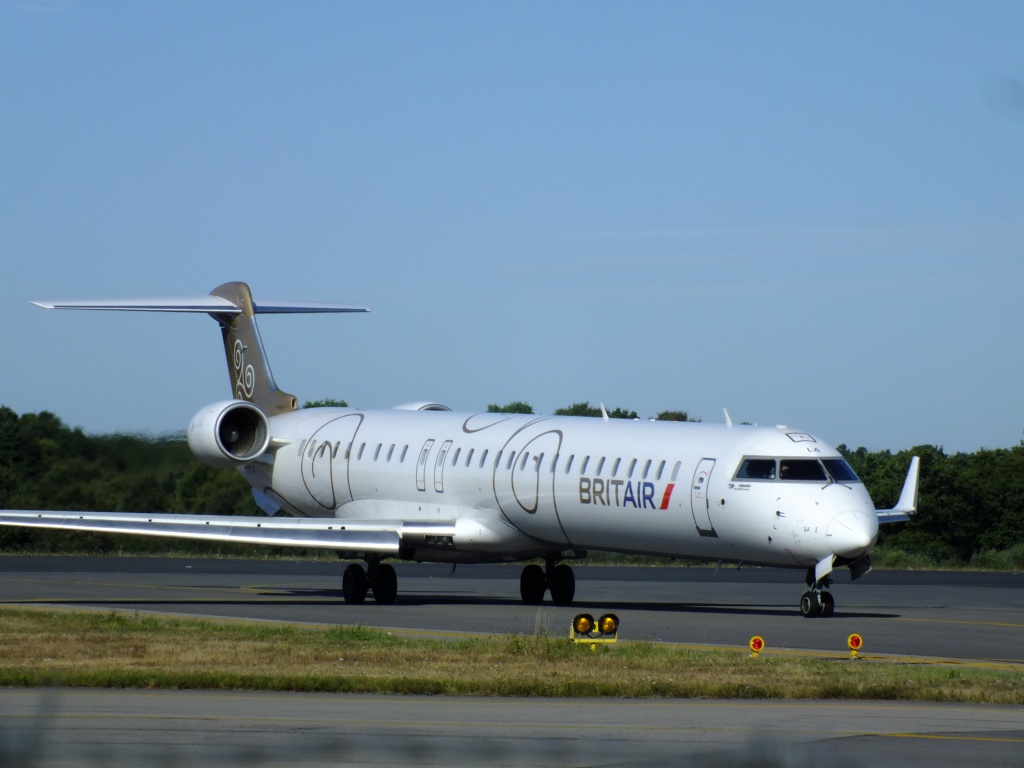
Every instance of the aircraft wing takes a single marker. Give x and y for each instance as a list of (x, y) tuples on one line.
[(907, 505), (376, 537)]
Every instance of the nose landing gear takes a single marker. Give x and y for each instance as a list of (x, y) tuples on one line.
[(816, 601)]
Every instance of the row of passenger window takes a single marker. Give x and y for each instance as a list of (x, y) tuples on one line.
[(313, 450), (537, 462), (596, 469)]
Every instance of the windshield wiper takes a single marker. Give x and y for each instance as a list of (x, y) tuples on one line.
[(831, 478)]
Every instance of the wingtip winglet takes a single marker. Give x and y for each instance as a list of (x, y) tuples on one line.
[(908, 497), (907, 504)]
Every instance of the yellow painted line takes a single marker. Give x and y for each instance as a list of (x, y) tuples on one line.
[(127, 587), (861, 656), (964, 622), (133, 600), (58, 607), (281, 594), (946, 737)]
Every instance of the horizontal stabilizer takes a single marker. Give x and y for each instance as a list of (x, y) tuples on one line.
[(321, 533), (907, 505), (210, 304)]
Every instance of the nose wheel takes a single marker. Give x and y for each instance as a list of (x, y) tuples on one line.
[(817, 601)]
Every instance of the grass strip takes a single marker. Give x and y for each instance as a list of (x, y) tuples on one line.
[(125, 651)]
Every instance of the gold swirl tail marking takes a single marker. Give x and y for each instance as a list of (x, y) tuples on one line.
[(245, 375)]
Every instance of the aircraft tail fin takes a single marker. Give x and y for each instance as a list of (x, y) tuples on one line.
[(232, 306), (907, 505)]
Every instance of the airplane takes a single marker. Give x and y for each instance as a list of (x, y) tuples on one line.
[(419, 482)]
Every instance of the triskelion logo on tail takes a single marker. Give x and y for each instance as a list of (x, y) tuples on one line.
[(245, 374)]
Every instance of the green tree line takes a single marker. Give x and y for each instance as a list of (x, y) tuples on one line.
[(971, 504), (586, 409), (48, 466), (970, 508)]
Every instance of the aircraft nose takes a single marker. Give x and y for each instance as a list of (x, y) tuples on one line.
[(852, 534)]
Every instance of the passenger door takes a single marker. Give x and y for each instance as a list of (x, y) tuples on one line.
[(439, 466), (699, 503), (421, 466)]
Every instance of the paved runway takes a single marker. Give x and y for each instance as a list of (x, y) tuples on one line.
[(976, 619)]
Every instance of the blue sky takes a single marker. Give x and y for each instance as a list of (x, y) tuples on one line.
[(807, 213)]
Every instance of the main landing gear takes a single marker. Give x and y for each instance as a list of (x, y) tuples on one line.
[(381, 580), (559, 579), (816, 601)]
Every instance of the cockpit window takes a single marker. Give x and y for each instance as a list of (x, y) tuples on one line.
[(823, 471), (802, 469), (841, 471), (757, 469)]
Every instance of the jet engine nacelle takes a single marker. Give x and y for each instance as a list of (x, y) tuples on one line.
[(229, 433)]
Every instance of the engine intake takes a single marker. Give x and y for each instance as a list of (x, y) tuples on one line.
[(229, 433)]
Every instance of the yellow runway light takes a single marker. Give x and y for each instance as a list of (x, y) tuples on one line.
[(583, 624), (854, 643), (756, 645), (585, 630)]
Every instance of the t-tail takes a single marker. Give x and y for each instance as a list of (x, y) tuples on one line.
[(251, 378), (232, 306)]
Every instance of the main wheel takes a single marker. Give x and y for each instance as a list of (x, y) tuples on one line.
[(354, 584), (828, 604), (385, 584), (532, 584), (562, 583), (810, 605)]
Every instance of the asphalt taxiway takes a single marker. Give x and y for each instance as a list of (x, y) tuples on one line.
[(973, 618)]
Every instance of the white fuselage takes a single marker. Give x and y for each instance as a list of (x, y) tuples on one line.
[(505, 487)]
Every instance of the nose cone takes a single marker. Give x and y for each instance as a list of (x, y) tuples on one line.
[(852, 534)]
